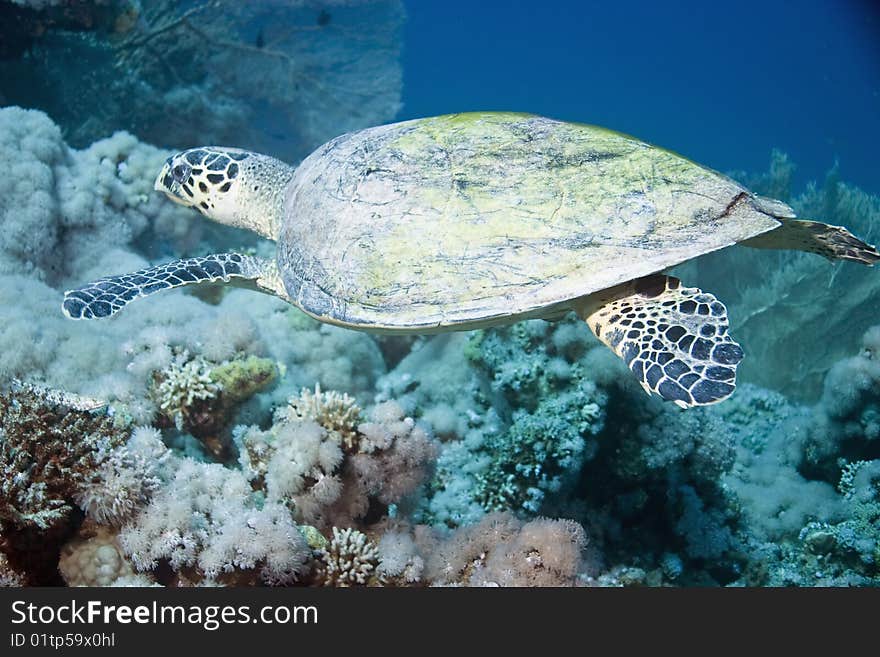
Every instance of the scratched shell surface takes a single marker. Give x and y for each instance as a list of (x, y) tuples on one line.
[(468, 219)]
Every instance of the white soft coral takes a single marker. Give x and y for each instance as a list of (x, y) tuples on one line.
[(207, 518)]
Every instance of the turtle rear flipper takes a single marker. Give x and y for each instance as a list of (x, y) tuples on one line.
[(107, 296), (673, 338), (831, 242)]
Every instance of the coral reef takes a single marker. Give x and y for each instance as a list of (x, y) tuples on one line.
[(180, 385), (540, 451), (62, 208), (226, 438), (48, 453), (337, 413)]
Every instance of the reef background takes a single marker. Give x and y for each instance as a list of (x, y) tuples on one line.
[(218, 436)]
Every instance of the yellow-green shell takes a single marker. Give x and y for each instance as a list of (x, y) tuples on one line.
[(468, 219)]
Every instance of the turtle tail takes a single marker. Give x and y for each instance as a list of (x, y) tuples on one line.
[(107, 296)]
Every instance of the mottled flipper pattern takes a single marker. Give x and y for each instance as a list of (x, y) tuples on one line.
[(107, 296), (673, 338), (831, 242)]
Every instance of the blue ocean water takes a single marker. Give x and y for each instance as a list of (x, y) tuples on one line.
[(215, 435), (720, 82)]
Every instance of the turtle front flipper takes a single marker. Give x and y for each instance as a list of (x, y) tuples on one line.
[(107, 296), (673, 338)]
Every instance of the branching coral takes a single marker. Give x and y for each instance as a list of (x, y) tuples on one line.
[(200, 397), (542, 451), (337, 413), (533, 413), (181, 384), (349, 560)]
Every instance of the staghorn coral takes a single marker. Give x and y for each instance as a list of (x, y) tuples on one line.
[(349, 560)]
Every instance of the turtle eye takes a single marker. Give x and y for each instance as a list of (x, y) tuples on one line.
[(181, 172)]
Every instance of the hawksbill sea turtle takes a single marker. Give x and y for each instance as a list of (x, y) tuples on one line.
[(473, 220)]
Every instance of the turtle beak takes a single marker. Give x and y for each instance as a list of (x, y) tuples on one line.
[(166, 184), (164, 180)]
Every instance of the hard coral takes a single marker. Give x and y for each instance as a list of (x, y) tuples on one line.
[(181, 384), (200, 397), (349, 560), (542, 451), (93, 558), (338, 413), (48, 452)]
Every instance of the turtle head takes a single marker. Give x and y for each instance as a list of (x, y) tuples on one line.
[(229, 186)]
